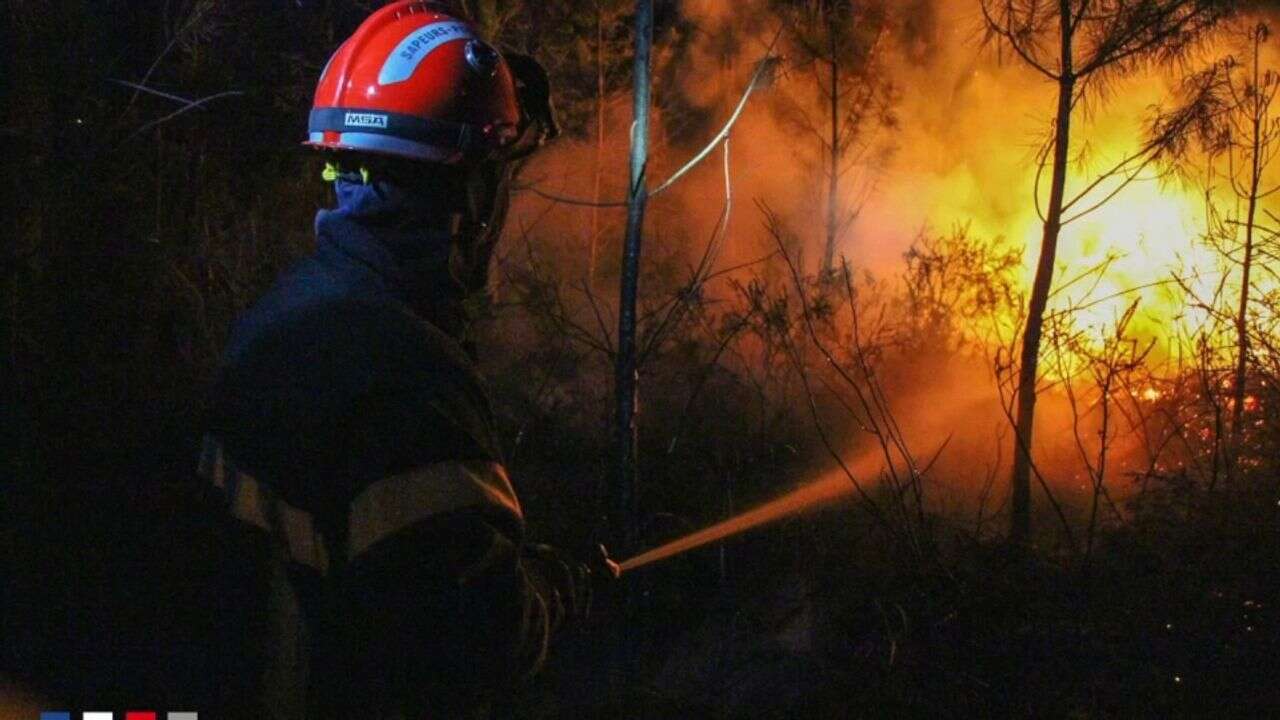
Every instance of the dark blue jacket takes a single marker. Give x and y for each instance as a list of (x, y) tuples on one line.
[(366, 248), (334, 388), (333, 381)]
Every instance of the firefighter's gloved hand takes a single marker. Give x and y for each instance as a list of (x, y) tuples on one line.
[(567, 583), (602, 566)]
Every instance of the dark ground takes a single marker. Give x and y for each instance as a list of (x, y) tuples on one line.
[(117, 597)]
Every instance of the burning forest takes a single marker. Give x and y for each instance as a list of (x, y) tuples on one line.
[(908, 357)]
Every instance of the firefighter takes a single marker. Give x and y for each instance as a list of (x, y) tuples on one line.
[(347, 420)]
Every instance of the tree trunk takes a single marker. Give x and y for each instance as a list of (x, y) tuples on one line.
[(599, 165), (1242, 314), (625, 508), (1020, 516), (1238, 394), (833, 180)]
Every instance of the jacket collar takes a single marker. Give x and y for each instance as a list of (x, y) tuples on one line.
[(398, 236)]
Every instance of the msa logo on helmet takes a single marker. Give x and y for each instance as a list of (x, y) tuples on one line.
[(365, 120)]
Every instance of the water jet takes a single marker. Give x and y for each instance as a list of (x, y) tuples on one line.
[(820, 492)]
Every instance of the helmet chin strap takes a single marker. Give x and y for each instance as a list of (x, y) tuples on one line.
[(332, 172)]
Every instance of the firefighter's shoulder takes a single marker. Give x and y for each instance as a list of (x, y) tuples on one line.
[(352, 388)]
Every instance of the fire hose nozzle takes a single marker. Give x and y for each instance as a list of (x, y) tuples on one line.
[(603, 565)]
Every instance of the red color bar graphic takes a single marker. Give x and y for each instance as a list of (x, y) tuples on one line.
[(140, 715)]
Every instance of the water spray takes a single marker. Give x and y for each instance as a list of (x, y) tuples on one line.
[(820, 492)]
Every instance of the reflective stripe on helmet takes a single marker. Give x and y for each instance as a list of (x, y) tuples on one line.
[(386, 144), (406, 56), (350, 121)]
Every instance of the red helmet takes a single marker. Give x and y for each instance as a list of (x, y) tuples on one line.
[(415, 82)]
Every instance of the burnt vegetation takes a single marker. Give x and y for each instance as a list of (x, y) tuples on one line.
[(156, 187)]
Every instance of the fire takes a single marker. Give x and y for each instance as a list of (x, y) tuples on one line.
[(1144, 245), (1129, 250), (969, 157)]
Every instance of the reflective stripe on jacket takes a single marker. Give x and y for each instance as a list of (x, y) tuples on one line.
[(381, 509)]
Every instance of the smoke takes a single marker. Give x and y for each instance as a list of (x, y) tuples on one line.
[(969, 123), (962, 150)]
